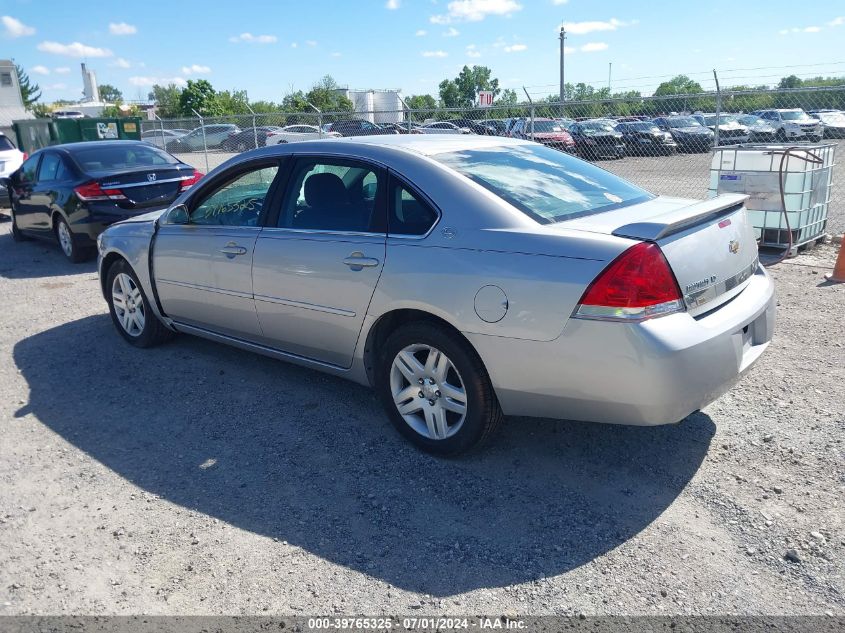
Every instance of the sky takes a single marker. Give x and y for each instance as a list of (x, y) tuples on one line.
[(270, 47)]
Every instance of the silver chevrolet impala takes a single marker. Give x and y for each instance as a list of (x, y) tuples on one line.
[(463, 277)]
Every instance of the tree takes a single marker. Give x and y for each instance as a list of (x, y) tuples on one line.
[(421, 102), (41, 111), (199, 96), (110, 94), (235, 102), (461, 91), (789, 83), (167, 100), (30, 92), (325, 95), (679, 85)]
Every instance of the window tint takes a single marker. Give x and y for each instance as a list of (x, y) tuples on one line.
[(28, 168), (545, 184), (5, 143), (331, 196), (121, 157), (408, 214), (238, 202), (49, 169)]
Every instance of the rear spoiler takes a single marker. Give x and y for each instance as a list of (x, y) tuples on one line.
[(685, 217)]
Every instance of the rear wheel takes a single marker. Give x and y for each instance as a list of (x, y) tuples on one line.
[(436, 390), (69, 244), (130, 309), (781, 136)]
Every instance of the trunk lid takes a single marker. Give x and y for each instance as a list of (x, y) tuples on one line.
[(710, 245), (145, 187)]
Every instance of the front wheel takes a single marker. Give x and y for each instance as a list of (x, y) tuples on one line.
[(130, 309), (436, 390)]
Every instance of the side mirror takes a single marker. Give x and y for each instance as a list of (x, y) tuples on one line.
[(177, 215)]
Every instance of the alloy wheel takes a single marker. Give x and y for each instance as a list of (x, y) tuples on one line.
[(65, 238), (128, 304), (428, 391)]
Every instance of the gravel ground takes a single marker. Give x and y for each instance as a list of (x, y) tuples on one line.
[(198, 479)]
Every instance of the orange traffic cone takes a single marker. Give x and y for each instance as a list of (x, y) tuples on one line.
[(838, 273)]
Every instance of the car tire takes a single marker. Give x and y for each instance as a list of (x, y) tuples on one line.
[(241, 147), (450, 371), (17, 234), (130, 309), (780, 136), (69, 243)]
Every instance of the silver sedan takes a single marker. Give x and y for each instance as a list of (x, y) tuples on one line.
[(463, 277)]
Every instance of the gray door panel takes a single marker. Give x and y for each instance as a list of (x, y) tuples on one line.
[(310, 293), (203, 277)]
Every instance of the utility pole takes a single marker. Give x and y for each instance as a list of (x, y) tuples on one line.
[(609, 71), (562, 47)]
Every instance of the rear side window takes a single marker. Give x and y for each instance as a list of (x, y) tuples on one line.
[(332, 195), (51, 168), (409, 214), (5, 143), (545, 184)]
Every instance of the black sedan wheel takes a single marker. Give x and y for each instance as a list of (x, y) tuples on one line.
[(69, 244)]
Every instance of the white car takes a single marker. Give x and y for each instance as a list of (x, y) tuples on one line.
[(443, 127), (161, 138), (792, 124), (294, 133), (11, 159)]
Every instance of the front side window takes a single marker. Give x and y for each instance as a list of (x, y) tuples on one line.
[(408, 214), (28, 168), (544, 183), (329, 195), (238, 202)]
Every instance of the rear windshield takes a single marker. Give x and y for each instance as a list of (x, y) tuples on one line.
[(546, 126), (121, 157), (682, 121), (5, 143), (544, 183)]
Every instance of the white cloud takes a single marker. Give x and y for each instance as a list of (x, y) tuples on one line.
[(435, 54), (805, 29), (593, 47), (582, 28), (452, 32), (61, 70), (421, 33), (40, 70), (195, 69), (74, 49), (392, 5), (254, 39), (837, 21), (568, 50), (559, 1), (472, 52), (294, 45), (122, 28), (120, 63), (812, 29), (161, 81), (336, 55), (475, 10), (515, 48), (16, 28), (58, 86), (311, 42)]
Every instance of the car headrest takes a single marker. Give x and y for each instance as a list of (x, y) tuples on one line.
[(325, 190)]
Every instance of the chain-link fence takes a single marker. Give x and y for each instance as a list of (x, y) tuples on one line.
[(662, 143)]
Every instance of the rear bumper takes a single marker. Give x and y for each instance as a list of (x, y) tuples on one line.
[(654, 372), (88, 228)]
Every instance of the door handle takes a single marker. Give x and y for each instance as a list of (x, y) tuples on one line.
[(231, 249), (357, 261)]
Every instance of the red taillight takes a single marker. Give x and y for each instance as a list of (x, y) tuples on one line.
[(25, 156), (92, 191), (191, 181), (636, 285)]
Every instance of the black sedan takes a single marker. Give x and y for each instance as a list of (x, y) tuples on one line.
[(70, 193), (688, 133), (645, 138), (246, 139), (597, 139)]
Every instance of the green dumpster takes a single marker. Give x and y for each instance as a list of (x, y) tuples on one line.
[(33, 134)]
